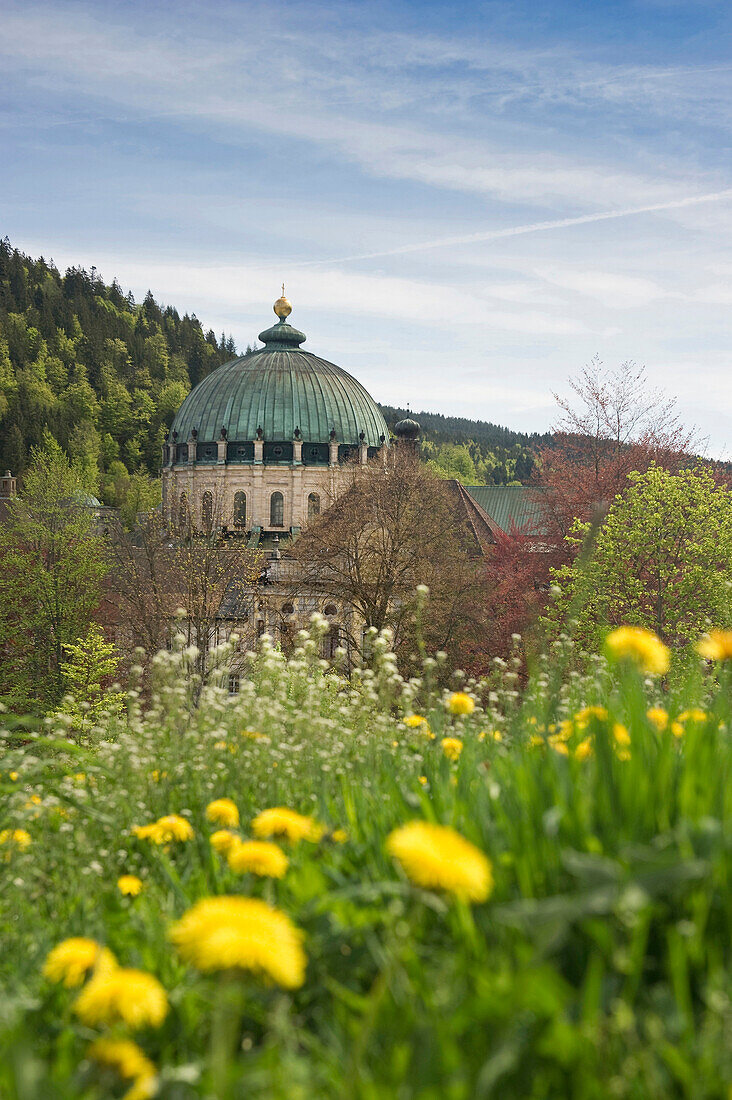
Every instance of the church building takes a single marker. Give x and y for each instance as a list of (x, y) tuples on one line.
[(259, 448)]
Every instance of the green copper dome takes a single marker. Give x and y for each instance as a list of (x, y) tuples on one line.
[(278, 389)]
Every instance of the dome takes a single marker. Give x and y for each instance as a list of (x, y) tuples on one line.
[(278, 389), (407, 428)]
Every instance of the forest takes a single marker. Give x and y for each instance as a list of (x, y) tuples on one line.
[(102, 373)]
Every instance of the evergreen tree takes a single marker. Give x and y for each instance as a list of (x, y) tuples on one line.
[(74, 351), (89, 665)]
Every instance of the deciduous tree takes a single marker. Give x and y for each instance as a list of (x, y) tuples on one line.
[(661, 559), (394, 528), (51, 566), (613, 423), (167, 579)]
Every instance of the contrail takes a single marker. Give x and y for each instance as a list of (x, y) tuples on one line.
[(519, 230)]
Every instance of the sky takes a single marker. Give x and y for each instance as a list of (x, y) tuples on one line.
[(466, 203)]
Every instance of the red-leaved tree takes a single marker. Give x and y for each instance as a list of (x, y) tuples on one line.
[(612, 423)]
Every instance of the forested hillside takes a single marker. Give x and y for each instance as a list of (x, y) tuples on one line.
[(473, 451), (105, 375), (101, 372)]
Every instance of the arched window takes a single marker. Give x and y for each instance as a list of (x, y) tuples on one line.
[(313, 505), (182, 511), (207, 510), (240, 509), (276, 510), (331, 642)]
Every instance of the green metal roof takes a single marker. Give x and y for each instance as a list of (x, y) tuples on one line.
[(280, 388), (511, 506)]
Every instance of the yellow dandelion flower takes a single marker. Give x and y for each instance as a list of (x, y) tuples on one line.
[(639, 646), (452, 747), (165, 829), (221, 744), (535, 741), (716, 645), (244, 933), (695, 715), (261, 857), (79, 777), (71, 960), (438, 858), (658, 717), (414, 721), (559, 743), (143, 1088), (340, 836), (158, 775), (223, 811), (460, 703), (130, 997), (280, 821), (129, 885), (564, 732), (222, 840), (623, 754), (395, 744), (16, 838), (122, 1055), (423, 780), (254, 736), (584, 749), (583, 717), (621, 735)]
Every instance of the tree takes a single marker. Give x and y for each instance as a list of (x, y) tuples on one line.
[(615, 423), (166, 581), (662, 559), (90, 664), (394, 528), (51, 567)]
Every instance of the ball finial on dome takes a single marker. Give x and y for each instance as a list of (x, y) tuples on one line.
[(282, 307)]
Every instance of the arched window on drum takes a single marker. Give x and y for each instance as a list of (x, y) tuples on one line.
[(276, 510), (240, 509), (313, 505), (207, 510)]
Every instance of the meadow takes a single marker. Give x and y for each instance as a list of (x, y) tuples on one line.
[(557, 924)]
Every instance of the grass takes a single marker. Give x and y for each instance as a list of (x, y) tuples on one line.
[(598, 967)]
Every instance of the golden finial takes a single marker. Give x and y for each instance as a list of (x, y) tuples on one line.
[(282, 307)]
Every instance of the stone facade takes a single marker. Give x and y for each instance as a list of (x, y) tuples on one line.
[(305, 490)]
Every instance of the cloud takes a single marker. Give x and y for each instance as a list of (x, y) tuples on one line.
[(406, 116), (531, 227)]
